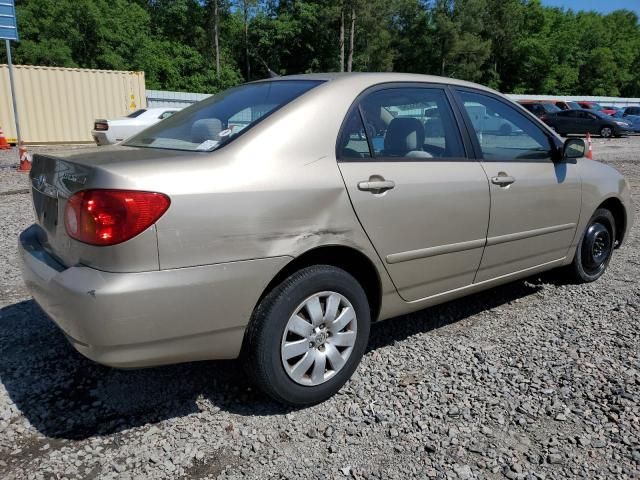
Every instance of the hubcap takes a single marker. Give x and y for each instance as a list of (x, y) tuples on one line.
[(319, 338), (606, 132), (596, 248)]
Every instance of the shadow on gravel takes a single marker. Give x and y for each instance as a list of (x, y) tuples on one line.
[(64, 395)]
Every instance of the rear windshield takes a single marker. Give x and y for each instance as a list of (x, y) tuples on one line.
[(215, 121), (137, 113), (574, 106)]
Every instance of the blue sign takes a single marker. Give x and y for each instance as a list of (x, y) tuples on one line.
[(8, 25)]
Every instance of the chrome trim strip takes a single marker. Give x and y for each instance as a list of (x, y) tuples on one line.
[(512, 237), (433, 251)]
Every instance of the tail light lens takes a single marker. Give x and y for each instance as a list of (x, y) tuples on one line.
[(107, 217), (101, 126)]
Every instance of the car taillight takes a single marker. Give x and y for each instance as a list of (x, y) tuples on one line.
[(101, 126), (107, 217)]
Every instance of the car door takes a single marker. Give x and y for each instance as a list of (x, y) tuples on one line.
[(590, 123), (535, 203), (423, 203), (568, 122)]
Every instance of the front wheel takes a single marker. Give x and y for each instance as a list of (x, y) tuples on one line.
[(595, 248), (307, 336), (606, 132)]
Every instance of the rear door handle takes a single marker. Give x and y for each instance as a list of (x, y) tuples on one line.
[(503, 180), (376, 186)]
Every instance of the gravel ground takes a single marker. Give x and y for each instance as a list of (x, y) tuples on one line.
[(536, 379)]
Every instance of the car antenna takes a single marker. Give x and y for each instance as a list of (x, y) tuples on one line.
[(272, 74)]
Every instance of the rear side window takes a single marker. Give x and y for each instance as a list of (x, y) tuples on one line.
[(632, 111), (411, 123), (353, 140), (503, 133), (217, 120)]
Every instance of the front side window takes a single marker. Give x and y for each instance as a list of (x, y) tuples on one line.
[(217, 120), (411, 122), (504, 133)]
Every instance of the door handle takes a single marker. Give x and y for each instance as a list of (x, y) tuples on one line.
[(376, 186), (503, 180)]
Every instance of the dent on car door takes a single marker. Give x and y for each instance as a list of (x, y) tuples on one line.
[(422, 202), (535, 203)]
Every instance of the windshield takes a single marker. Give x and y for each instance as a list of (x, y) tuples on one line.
[(217, 120), (574, 106), (601, 115)]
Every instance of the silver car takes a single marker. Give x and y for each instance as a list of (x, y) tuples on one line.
[(276, 221)]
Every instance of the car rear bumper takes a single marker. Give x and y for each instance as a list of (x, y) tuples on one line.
[(150, 318)]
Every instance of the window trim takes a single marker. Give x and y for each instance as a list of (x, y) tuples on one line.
[(465, 141), (555, 145)]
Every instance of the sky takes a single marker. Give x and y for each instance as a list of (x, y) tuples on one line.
[(603, 6)]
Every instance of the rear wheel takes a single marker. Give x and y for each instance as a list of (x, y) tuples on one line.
[(606, 132), (595, 248), (307, 336)]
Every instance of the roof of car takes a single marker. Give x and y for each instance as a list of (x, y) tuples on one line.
[(372, 78)]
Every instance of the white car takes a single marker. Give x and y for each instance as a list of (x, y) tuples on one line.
[(108, 132)]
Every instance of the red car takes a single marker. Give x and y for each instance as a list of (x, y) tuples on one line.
[(597, 107)]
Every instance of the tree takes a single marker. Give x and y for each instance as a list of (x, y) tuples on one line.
[(518, 46), (216, 33), (352, 34)]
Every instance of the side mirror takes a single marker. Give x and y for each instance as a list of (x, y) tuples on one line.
[(574, 148)]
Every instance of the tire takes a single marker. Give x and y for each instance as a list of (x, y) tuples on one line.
[(270, 338), (599, 236), (606, 132)]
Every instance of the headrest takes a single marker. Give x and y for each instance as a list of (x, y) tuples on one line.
[(403, 136), (205, 129)]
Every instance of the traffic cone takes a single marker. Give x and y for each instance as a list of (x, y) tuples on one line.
[(590, 144), (4, 145), (25, 159)]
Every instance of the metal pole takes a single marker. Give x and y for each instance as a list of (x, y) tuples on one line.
[(13, 90)]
